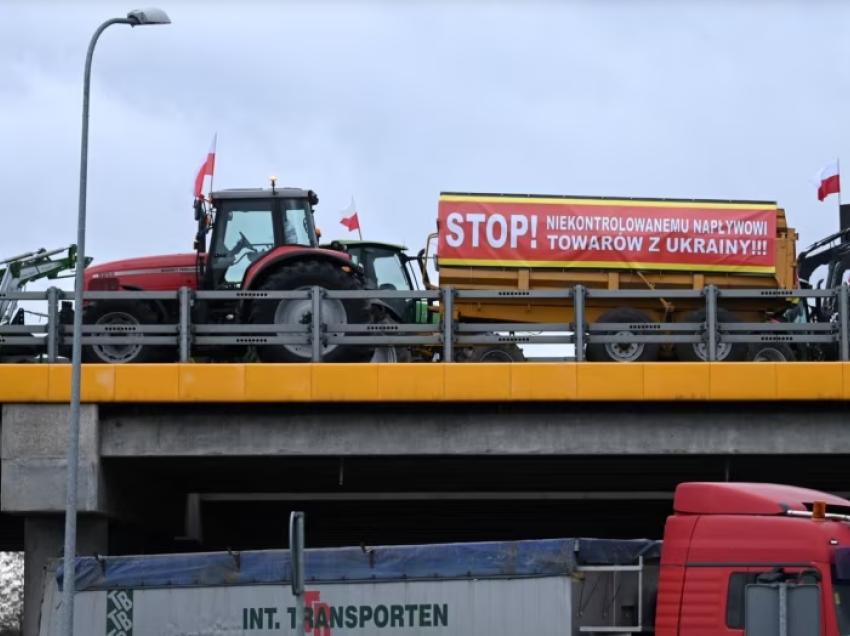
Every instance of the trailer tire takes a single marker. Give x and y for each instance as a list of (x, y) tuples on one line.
[(770, 352), (125, 314), (304, 275), (625, 352), (495, 353), (698, 352)]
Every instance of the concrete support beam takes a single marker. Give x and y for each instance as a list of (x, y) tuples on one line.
[(44, 538), (474, 429), (33, 459)]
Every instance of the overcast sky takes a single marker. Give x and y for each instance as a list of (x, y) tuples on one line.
[(393, 102)]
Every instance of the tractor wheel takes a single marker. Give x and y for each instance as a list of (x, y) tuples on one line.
[(726, 351), (390, 354), (494, 353), (770, 352), (625, 351), (123, 317), (302, 276)]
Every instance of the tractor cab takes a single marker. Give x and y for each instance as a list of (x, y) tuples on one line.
[(387, 266), (246, 225)]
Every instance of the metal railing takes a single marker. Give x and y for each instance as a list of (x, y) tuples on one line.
[(448, 335)]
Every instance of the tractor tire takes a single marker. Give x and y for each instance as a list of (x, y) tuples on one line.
[(625, 351), (494, 353), (770, 352), (123, 315), (304, 275), (698, 352), (390, 354)]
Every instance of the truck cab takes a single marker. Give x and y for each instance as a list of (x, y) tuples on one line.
[(726, 543)]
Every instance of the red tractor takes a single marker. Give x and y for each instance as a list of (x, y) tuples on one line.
[(260, 240)]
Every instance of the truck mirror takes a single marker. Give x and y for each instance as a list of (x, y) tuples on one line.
[(768, 608)]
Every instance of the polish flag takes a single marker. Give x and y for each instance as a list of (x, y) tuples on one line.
[(828, 180), (349, 217), (206, 170)]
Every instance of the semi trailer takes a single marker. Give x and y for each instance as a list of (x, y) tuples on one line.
[(735, 559)]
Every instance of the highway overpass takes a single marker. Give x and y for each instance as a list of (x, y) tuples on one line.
[(188, 457)]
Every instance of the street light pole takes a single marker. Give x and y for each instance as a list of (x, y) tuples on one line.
[(134, 18)]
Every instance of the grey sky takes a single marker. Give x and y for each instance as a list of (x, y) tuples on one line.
[(393, 102)]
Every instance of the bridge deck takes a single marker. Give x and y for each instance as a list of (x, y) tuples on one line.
[(499, 382)]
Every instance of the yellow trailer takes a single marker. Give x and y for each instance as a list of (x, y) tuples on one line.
[(530, 242)]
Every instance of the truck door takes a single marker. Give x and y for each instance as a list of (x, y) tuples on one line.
[(713, 600)]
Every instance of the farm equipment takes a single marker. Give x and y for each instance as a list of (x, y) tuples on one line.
[(522, 243), (15, 274), (261, 240), (388, 266), (832, 252)]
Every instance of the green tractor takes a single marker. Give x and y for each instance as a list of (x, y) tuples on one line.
[(388, 266)]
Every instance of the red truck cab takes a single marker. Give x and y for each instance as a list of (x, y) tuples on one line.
[(725, 538)]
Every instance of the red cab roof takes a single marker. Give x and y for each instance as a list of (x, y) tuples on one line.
[(731, 498)]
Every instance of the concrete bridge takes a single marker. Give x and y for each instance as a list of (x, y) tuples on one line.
[(187, 457)]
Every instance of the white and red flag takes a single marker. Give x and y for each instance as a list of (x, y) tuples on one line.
[(206, 170), (829, 180), (349, 217)]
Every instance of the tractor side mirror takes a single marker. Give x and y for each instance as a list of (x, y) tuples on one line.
[(199, 209)]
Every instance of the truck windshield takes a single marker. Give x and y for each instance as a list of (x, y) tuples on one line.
[(841, 593)]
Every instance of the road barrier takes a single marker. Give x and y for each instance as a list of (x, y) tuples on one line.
[(49, 339)]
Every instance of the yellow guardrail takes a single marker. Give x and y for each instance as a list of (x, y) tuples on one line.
[(496, 382)]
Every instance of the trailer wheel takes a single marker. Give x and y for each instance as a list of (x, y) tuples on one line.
[(625, 351), (123, 317), (726, 351), (495, 353), (302, 275), (770, 352)]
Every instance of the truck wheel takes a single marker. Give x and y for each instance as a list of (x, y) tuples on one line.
[(495, 353), (122, 317), (698, 352), (625, 351), (770, 352), (302, 276)]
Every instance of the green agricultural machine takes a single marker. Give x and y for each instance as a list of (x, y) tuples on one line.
[(388, 266), (15, 274)]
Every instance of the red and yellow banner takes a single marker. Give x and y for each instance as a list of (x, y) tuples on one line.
[(505, 231)]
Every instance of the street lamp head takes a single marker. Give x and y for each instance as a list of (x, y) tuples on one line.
[(152, 15)]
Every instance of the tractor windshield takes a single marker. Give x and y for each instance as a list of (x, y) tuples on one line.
[(248, 228), (383, 266)]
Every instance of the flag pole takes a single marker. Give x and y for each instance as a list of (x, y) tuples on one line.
[(212, 173), (838, 167), (359, 233)]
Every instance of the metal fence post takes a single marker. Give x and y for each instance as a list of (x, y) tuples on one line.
[(711, 321), (448, 303), (184, 325), (296, 560), (843, 321), (578, 319), (316, 324), (53, 326)]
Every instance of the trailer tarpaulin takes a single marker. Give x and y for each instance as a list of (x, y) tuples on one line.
[(648, 234), (435, 562)]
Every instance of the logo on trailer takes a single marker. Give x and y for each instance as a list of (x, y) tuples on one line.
[(119, 613)]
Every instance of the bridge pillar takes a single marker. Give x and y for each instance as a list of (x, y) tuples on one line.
[(34, 461), (33, 479), (44, 538)]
